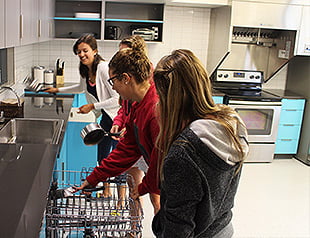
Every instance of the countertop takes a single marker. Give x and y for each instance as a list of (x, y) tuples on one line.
[(25, 181), (284, 93), (217, 93)]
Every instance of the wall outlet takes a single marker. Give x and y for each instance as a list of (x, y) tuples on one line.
[(307, 48), (155, 29)]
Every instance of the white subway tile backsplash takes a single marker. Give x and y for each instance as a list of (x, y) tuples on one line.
[(184, 27)]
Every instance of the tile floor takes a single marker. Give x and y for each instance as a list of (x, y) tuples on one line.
[(273, 201)]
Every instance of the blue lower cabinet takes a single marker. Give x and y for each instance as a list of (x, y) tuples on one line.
[(289, 126), (218, 99), (74, 154), (286, 146), (79, 155), (79, 100)]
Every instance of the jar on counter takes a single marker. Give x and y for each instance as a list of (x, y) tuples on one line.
[(49, 77), (38, 73)]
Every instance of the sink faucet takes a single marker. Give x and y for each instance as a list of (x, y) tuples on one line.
[(2, 88), (2, 118)]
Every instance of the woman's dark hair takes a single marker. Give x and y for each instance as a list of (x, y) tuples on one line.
[(91, 41)]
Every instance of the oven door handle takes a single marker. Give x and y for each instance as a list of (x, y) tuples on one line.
[(258, 103)]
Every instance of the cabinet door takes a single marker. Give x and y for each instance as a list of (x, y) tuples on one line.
[(218, 99), (12, 23), (281, 16), (29, 21), (303, 45), (45, 21), (2, 24), (295, 2), (78, 154)]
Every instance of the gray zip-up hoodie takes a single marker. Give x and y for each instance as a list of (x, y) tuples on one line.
[(200, 181)]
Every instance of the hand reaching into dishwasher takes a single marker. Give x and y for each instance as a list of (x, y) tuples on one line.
[(85, 185)]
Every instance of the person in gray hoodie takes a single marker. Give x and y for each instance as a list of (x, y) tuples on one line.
[(203, 146)]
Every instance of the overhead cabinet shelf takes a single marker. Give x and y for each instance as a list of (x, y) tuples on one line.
[(74, 18), (133, 20), (112, 21), (124, 19)]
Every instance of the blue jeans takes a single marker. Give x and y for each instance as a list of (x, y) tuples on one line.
[(107, 144)]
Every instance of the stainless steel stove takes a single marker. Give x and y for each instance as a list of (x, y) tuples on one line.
[(259, 110)]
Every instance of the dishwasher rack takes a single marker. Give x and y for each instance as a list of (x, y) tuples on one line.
[(91, 216)]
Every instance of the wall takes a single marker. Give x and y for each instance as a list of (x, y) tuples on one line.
[(184, 27)]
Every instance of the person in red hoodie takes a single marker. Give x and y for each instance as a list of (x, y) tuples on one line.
[(129, 72), (137, 171)]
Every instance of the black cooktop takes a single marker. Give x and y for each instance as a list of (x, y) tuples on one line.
[(249, 95)]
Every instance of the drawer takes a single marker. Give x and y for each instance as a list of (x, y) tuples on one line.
[(288, 132), (293, 104), (291, 116), (286, 146), (218, 99)]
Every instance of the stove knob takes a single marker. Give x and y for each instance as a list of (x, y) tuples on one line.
[(251, 76), (257, 77), (226, 76), (220, 75)]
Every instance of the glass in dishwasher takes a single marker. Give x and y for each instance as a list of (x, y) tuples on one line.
[(79, 215)]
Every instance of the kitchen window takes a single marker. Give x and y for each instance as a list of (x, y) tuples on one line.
[(6, 66)]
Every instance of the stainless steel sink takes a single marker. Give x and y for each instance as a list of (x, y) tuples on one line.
[(31, 131)]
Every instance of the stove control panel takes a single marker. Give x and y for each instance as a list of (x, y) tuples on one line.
[(239, 76)]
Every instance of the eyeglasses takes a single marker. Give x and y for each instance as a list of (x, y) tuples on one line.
[(110, 80)]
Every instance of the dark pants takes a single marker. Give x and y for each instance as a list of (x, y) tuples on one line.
[(107, 144)]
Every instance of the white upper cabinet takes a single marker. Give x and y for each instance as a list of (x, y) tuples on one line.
[(26, 22), (267, 15), (198, 3), (45, 20), (29, 21), (12, 23), (2, 43), (303, 45), (292, 2)]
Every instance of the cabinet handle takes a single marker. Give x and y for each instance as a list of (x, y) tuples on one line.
[(21, 22), (62, 173), (288, 124), (286, 139), (50, 29), (291, 110), (39, 28)]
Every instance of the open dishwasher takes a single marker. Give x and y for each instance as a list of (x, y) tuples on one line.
[(91, 216)]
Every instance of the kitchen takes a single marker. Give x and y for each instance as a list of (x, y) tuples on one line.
[(194, 33)]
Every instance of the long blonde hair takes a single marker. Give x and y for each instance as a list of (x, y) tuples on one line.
[(185, 95)]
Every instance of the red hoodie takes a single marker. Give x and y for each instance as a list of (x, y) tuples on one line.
[(143, 122)]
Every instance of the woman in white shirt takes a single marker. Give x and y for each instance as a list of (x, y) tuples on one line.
[(101, 98)]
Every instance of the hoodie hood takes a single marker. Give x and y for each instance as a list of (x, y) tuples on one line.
[(213, 134)]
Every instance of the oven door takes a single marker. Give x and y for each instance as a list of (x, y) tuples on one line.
[(260, 118)]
